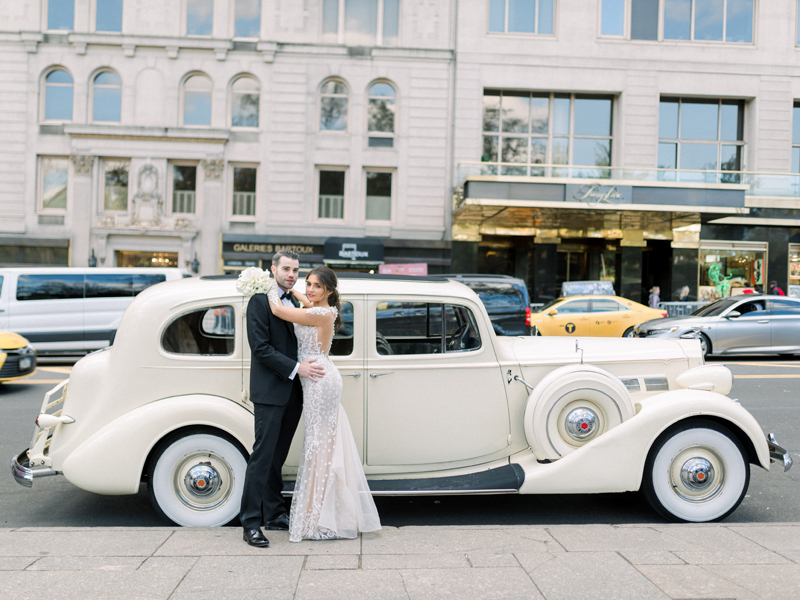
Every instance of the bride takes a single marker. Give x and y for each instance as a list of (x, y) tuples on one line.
[(331, 496)]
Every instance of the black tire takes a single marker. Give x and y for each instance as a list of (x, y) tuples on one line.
[(705, 344), (629, 333), (696, 442)]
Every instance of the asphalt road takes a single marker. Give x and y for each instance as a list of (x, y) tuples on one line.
[(766, 386)]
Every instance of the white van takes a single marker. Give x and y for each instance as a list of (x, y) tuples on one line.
[(71, 311)]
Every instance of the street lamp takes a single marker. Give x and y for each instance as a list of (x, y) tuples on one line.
[(92, 259), (195, 264)]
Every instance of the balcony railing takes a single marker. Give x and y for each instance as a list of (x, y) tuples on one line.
[(244, 204), (183, 201), (786, 185)]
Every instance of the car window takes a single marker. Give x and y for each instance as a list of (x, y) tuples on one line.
[(109, 286), (576, 306), (752, 307), (498, 294), (1, 284), (784, 308), (715, 308), (416, 328), (142, 282), (49, 287), (550, 304), (607, 305), (342, 344), (205, 332)]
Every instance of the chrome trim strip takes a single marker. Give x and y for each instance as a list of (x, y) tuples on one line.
[(432, 492), (22, 474), (778, 453)]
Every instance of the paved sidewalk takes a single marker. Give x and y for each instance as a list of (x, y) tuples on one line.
[(639, 562)]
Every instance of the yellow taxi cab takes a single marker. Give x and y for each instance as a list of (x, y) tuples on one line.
[(592, 316), (17, 358)]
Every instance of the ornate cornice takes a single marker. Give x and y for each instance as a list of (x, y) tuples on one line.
[(82, 164), (212, 169)]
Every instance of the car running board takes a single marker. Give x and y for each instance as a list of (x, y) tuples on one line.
[(502, 480)]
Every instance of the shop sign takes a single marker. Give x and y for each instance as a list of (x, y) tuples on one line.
[(353, 250), (599, 194), (269, 248), (404, 269)]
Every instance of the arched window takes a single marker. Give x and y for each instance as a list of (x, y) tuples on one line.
[(197, 100), (381, 99), (58, 96), (107, 97), (244, 102), (333, 106)]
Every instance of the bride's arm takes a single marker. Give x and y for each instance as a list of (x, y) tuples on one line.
[(295, 315), (301, 298)]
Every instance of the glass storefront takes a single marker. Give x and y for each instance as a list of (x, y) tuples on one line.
[(728, 268), (127, 258), (794, 270)]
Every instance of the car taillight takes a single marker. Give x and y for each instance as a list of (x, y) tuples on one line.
[(664, 313), (528, 316)]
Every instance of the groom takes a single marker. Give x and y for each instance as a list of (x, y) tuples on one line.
[(277, 403)]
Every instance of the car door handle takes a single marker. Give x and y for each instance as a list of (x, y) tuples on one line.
[(764, 321), (356, 375), (376, 375)]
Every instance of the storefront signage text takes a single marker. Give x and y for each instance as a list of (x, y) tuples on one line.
[(272, 248), (598, 194), (351, 252)]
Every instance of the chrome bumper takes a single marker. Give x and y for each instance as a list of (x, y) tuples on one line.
[(24, 475), (777, 453)]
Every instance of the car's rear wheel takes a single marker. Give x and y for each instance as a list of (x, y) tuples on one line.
[(629, 333), (196, 479), (696, 471)]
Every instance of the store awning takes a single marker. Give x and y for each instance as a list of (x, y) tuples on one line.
[(353, 251)]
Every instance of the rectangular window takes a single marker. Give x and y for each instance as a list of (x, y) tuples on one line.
[(115, 185), (379, 196), (521, 16), (699, 134), (342, 344), (794, 271), (244, 191), (108, 16), (692, 20), (109, 286), (644, 20), (184, 189), (49, 287), (60, 15), (612, 17), (727, 268), (524, 129), (53, 177), (247, 19), (199, 17), (360, 22), (416, 328), (331, 194)]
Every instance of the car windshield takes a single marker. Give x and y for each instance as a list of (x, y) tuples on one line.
[(715, 308)]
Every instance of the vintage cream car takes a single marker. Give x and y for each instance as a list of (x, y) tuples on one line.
[(438, 405)]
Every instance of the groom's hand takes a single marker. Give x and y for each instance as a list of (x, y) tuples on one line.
[(309, 370)]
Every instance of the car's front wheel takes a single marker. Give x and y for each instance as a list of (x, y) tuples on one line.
[(629, 333), (697, 471), (705, 344), (196, 479)]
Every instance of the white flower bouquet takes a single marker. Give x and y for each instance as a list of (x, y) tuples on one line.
[(254, 281)]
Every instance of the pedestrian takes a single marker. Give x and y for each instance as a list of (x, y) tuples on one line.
[(683, 294), (748, 290), (774, 289), (655, 297)]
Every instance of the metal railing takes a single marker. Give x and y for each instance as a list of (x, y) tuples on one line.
[(244, 203), (680, 309), (331, 207), (183, 201), (759, 184)]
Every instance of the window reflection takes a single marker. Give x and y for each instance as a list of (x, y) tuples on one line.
[(709, 20), (360, 22), (379, 196), (197, 100), (244, 191), (109, 15), (333, 106), (612, 17), (60, 14), (107, 97), (54, 183), (58, 96), (199, 17), (247, 20), (521, 16), (184, 188), (244, 103), (381, 114), (115, 194), (699, 120)]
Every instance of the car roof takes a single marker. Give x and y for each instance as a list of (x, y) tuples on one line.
[(175, 293), (36, 270)]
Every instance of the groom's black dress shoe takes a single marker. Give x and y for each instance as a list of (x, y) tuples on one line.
[(254, 537), (279, 523)]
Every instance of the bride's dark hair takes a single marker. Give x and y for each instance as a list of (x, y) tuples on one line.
[(329, 281)]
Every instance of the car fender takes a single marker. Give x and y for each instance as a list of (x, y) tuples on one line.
[(614, 462), (112, 459)]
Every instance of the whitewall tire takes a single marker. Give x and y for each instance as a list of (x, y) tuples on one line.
[(571, 406), (696, 471), (196, 480)]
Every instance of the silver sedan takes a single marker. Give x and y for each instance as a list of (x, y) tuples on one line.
[(738, 325)]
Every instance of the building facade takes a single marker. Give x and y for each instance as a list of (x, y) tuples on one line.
[(637, 141), (210, 133)]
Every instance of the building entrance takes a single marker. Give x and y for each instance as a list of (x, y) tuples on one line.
[(587, 260)]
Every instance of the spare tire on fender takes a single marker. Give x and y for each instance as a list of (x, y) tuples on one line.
[(572, 406)]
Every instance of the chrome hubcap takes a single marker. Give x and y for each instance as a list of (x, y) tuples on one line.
[(202, 480), (697, 473), (581, 424)]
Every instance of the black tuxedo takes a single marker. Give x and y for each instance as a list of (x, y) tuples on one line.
[(277, 403)]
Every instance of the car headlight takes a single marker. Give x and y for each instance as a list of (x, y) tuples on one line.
[(26, 350), (662, 330)]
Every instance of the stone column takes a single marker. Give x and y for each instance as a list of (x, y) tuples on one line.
[(545, 273), (215, 216), (80, 210), (631, 280)]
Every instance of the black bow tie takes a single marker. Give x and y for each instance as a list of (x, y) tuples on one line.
[(286, 295)]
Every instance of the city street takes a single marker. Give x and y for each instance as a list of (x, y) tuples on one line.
[(767, 386)]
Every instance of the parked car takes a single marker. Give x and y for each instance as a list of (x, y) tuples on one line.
[(447, 407), (506, 300), (71, 311), (17, 357), (595, 316), (587, 288), (742, 324)]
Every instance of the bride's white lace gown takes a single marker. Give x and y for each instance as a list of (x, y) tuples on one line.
[(331, 496)]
